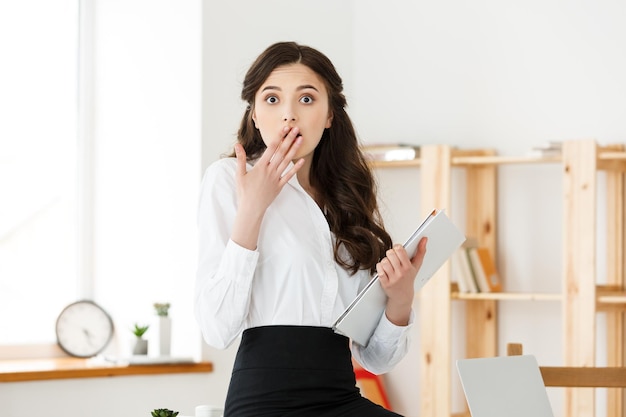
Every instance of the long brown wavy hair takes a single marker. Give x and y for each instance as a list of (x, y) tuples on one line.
[(339, 173)]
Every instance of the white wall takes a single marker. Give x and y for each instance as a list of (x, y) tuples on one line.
[(147, 81), (503, 75), (127, 396), (488, 73)]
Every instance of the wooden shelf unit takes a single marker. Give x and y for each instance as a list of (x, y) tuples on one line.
[(581, 297)]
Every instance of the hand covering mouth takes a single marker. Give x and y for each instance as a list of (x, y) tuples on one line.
[(297, 136)]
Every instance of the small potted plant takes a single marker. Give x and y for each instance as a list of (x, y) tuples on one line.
[(141, 344), (164, 412)]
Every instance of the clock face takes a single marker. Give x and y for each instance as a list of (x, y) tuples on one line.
[(84, 329)]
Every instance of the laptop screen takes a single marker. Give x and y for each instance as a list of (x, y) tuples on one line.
[(509, 386)]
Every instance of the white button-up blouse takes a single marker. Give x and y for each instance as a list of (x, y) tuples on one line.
[(290, 279)]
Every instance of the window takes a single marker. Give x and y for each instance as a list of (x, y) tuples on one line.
[(38, 166), (99, 166)]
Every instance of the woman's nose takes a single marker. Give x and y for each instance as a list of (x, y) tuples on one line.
[(289, 115)]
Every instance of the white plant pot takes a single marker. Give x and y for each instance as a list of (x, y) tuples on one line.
[(141, 347), (165, 335), (209, 411)]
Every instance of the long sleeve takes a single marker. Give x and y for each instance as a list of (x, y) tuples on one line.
[(387, 346), (225, 270)]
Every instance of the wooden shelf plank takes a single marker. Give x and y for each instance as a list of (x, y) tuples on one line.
[(560, 376), (469, 159), (507, 296), (610, 298), (615, 303), (608, 160), (395, 164), (64, 368), (503, 160)]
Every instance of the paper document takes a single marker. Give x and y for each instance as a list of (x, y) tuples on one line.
[(360, 319)]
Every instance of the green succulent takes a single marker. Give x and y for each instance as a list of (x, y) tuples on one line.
[(140, 330), (162, 309), (164, 412)]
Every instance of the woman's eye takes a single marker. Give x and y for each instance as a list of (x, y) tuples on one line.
[(272, 100), (306, 100)]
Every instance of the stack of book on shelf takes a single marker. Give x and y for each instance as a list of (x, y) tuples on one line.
[(475, 269), (546, 149), (390, 152)]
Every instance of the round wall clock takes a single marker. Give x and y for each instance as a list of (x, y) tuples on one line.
[(84, 329)]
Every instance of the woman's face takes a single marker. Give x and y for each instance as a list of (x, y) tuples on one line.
[(292, 96)]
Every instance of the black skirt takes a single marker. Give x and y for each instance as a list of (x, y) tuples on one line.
[(298, 371)]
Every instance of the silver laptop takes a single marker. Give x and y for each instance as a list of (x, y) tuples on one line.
[(360, 318), (509, 386)]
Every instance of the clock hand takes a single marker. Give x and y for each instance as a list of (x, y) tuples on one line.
[(89, 336)]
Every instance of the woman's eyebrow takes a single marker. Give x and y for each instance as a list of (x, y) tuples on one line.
[(302, 87), (307, 86)]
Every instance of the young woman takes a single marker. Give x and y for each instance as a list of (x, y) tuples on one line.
[(289, 233)]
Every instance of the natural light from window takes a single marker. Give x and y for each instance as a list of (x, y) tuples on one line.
[(99, 167), (38, 178)]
